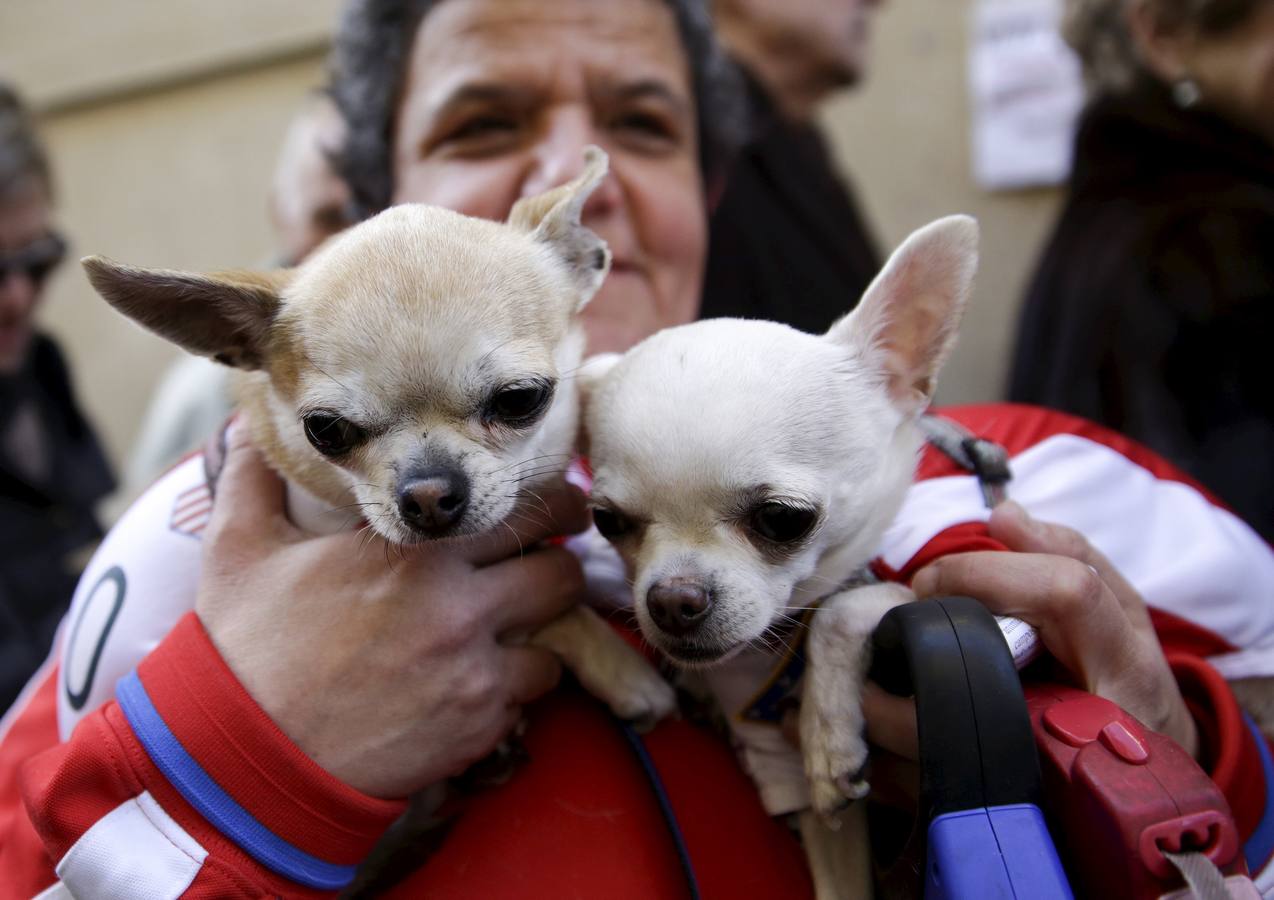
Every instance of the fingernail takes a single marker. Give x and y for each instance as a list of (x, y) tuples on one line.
[(1014, 510)]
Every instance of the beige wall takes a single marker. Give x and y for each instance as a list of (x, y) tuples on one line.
[(164, 133), (905, 140)]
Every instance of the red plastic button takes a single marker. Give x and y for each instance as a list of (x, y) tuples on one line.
[(1124, 744), (1081, 720)]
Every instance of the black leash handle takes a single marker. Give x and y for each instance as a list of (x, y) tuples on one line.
[(976, 744)]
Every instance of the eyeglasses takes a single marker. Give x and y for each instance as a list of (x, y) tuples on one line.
[(36, 260)]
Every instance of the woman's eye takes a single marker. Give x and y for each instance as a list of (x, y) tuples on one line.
[(331, 435), (519, 404), (782, 523), (482, 128), (610, 523), (647, 129)]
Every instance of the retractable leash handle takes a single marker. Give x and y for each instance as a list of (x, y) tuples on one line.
[(980, 779), (1129, 804)]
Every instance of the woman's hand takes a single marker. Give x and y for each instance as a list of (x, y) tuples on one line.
[(1089, 617), (385, 666)]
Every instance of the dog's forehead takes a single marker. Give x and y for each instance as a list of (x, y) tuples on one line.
[(429, 266), (723, 405), (419, 296)]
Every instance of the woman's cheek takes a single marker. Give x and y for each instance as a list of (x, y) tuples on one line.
[(485, 189), (675, 235)]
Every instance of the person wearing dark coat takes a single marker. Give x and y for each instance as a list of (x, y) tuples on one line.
[(1152, 307), (787, 241), (52, 469)]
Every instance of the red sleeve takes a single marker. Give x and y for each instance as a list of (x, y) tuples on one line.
[(184, 783)]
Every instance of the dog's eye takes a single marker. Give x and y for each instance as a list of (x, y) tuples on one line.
[(782, 523), (610, 523), (331, 435), (519, 404)]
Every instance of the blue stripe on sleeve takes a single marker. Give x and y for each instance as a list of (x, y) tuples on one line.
[(236, 823), (1260, 846)]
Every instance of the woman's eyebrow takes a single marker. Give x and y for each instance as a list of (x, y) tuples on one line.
[(645, 89), (480, 94)]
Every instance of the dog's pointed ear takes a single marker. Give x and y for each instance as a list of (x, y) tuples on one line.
[(553, 217), (906, 323), (226, 316), (588, 379)]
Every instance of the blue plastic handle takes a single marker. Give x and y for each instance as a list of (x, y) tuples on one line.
[(992, 853)]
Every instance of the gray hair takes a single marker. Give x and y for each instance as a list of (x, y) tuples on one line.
[(368, 64), (1098, 31), (22, 154)]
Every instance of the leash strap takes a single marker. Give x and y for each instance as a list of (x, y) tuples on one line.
[(665, 806), (985, 459), (1201, 876)]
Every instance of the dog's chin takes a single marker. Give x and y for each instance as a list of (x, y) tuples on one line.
[(696, 656), (403, 534)]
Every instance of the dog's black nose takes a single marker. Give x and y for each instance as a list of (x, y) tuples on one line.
[(433, 500), (678, 605)]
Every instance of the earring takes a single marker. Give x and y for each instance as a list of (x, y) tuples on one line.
[(1185, 92)]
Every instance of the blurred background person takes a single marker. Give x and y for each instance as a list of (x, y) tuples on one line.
[(52, 471), (308, 204), (787, 239), (1152, 305), (309, 201)]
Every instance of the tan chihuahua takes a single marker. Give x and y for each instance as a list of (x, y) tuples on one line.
[(411, 368)]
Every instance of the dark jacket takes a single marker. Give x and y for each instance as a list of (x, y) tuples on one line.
[(1152, 309), (46, 527), (786, 241)]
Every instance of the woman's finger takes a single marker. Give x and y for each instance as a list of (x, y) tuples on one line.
[(1014, 527), (891, 721)]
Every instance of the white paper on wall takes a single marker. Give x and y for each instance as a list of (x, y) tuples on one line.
[(1026, 94)]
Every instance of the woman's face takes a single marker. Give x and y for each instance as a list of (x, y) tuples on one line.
[(502, 96), (25, 219), (1235, 70)]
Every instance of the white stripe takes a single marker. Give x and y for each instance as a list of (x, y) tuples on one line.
[(135, 852), (57, 891), (1184, 554), (1264, 881)]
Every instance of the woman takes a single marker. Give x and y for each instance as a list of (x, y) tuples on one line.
[(1151, 306), (306, 674)]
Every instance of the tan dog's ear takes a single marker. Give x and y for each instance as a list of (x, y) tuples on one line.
[(553, 217), (226, 316), (587, 380), (907, 320)]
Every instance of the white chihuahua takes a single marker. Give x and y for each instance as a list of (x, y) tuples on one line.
[(746, 472)]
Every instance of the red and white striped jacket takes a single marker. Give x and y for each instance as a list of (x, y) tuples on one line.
[(135, 764)]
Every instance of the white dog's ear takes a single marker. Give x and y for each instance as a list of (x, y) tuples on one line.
[(906, 322), (588, 379), (226, 316), (553, 217)]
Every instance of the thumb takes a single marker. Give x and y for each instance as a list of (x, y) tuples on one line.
[(249, 495)]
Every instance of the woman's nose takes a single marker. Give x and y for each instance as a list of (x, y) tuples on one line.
[(558, 158), (18, 292)]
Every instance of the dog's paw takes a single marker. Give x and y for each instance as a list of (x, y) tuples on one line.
[(642, 696), (632, 688), (835, 759)]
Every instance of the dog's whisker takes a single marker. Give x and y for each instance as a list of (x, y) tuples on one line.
[(517, 537)]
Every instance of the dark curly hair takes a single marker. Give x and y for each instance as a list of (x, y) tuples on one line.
[(22, 153), (368, 64), (1098, 31)]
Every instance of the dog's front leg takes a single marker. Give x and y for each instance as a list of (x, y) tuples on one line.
[(839, 860), (832, 740), (608, 667)]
